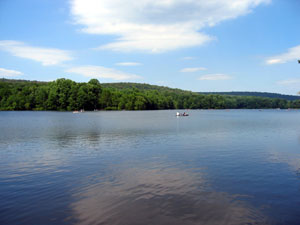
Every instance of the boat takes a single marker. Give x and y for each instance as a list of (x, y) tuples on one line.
[(81, 111), (182, 114)]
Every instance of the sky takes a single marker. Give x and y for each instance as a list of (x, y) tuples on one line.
[(197, 45)]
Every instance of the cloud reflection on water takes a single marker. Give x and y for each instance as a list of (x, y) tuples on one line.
[(160, 196)]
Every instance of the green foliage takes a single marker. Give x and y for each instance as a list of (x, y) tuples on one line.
[(64, 94), (255, 94)]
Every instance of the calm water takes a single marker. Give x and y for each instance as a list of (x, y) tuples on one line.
[(141, 168)]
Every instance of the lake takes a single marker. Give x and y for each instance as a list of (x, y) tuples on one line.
[(149, 167)]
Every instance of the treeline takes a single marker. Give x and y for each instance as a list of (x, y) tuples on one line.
[(64, 94), (257, 94)]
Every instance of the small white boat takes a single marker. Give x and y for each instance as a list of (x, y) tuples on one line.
[(81, 111), (182, 114)]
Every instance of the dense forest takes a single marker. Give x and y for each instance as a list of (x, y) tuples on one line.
[(233, 93), (64, 94), (257, 94)]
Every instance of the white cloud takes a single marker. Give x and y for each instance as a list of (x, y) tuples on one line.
[(46, 56), (9, 73), (293, 54), (193, 69), (156, 25), (289, 82), (128, 64), (215, 77), (102, 72)]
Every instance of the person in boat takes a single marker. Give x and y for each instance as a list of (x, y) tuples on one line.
[(184, 114)]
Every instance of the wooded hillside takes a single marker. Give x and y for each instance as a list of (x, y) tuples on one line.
[(64, 94)]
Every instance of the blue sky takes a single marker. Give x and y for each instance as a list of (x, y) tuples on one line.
[(198, 45)]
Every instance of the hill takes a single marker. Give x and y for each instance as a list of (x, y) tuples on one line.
[(145, 87), (140, 86), (11, 81), (256, 94), (65, 94)]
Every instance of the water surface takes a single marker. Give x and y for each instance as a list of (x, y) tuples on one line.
[(150, 167)]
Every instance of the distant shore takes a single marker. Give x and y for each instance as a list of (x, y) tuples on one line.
[(67, 95)]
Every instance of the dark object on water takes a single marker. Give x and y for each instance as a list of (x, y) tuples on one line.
[(182, 114), (299, 61)]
